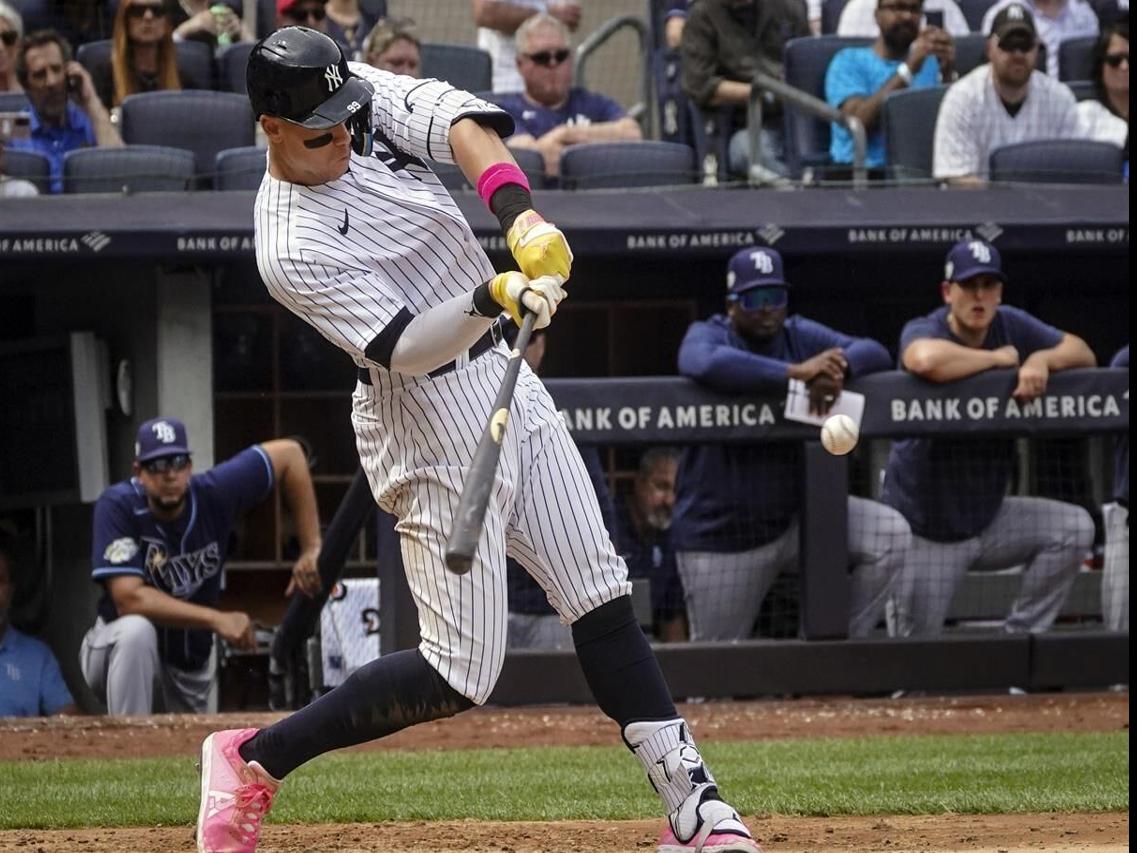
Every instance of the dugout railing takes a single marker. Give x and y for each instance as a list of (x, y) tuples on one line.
[(669, 410)]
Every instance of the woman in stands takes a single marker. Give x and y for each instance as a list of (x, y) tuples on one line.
[(11, 31), (1106, 117), (142, 53), (394, 46)]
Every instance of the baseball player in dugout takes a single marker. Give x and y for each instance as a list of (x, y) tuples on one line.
[(735, 525), (159, 547), (356, 235), (953, 491)]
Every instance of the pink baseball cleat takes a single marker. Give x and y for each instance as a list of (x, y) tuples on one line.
[(235, 795), (705, 824)]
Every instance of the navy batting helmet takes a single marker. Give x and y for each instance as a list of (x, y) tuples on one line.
[(301, 76)]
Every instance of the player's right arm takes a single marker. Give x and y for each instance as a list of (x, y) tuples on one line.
[(132, 595), (938, 360), (707, 356)]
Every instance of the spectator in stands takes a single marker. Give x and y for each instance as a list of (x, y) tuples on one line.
[(551, 113), (1055, 21), (735, 525), (643, 539), (66, 111), (724, 43), (394, 46), (303, 13), (11, 31), (215, 22), (1000, 103), (349, 24), (953, 491), (142, 54), (498, 21), (674, 20), (858, 18), (1106, 117), (1115, 576), (159, 547), (902, 57), (533, 623), (31, 684)]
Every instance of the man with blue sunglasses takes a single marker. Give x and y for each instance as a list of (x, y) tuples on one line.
[(735, 524)]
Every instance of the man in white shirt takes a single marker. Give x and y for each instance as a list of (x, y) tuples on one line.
[(1055, 21), (1000, 103), (498, 21), (858, 18)]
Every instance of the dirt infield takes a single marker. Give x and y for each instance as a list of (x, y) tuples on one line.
[(169, 735)]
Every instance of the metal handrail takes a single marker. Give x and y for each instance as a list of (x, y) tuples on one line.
[(597, 38), (805, 102)]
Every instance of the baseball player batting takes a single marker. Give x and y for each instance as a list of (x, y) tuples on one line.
[(356, 235)]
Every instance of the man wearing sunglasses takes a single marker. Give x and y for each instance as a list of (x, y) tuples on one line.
[(1055, 20), (1000, 103), (302, 13), (735, 523), (159, 547), (551, 113)]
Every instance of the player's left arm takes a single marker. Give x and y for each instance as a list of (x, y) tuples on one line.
[(1034, 374), (290, 469)]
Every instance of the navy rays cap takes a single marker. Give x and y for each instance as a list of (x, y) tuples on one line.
[(754, 268), (160, 437), (969, 258)]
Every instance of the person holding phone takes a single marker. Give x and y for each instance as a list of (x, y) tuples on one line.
[(904, 56), (858, 18), (66, 112)]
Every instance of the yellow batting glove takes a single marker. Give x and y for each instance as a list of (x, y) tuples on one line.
[(539, 247), (517, 294)]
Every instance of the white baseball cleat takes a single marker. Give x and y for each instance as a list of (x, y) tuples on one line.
[(705, 824)]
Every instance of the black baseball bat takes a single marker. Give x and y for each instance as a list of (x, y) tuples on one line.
[(471, 513)]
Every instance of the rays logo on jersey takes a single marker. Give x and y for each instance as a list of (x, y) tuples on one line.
[(183, 575)]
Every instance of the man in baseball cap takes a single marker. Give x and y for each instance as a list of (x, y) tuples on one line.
[(307, 13), (1050, 23), (160, 437)]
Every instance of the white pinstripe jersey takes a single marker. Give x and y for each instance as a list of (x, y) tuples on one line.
[(386, 239), (973, 121)]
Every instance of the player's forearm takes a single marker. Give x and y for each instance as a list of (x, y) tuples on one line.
[(730, 370), (867, 356), (300, 497), (165, 610), (945, 361), (476, 148), (439, 334), (1070, 353)]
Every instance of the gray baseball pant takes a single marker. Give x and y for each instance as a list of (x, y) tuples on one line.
[(724, 591), (120, 662), (1115, 574), (1050, 538)]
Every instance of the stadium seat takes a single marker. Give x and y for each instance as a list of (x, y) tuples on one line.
[(194, 60), (806, 61), (1084, 90), (14, 102), (831, 15), (1076, 58), (134, 168), (973, 11), (29, 165), (909, 121), (202, 122), (231, 64), (627, 164), (239, 168), (1058, 161), (37, 15), (465, 67), (971, 52)]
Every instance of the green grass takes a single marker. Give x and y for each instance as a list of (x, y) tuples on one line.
[(884, 775)]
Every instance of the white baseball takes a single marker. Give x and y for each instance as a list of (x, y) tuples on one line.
[(839, 434)]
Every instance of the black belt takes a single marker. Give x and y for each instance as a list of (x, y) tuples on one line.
[(480, 347)]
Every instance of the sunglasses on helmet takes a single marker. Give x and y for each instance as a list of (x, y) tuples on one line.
[(549, 58), (761, 297)]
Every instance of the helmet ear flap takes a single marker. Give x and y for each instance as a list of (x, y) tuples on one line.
[(359, 125)]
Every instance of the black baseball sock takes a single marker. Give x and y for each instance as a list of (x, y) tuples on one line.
[(620, 666), (386, 695)]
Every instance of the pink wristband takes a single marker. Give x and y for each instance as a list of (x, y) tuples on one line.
[(497, 176)]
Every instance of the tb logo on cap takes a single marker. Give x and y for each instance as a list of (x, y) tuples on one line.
[(334, 78), (164, 432), (980, 252), (762, 262)]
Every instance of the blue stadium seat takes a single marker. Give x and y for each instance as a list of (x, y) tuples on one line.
[(231, 64), (461, 65), (973, 11), (37, 14), (14, 102), (909, 123), (1076, 58), (194, 60), (806, 61), (627, 164), (831, 15), (1058, 161), (239, 168), (29, 165), (202, 122), (1084, 90), (134, 168)]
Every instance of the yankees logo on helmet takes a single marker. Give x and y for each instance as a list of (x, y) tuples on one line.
[(334, 78)]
